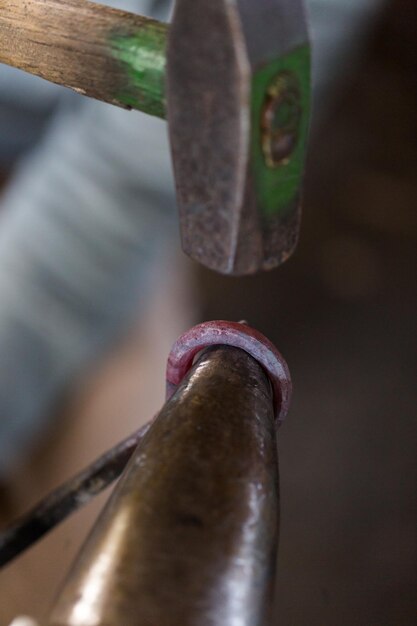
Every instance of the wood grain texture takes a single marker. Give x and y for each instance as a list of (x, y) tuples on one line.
[(87, 47)]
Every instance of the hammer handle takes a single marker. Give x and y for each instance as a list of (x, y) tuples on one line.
[(104, 53)]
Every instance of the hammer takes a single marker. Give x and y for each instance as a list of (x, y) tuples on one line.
[(233, 79)]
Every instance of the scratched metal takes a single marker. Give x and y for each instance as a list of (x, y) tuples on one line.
[(212, 86), (189, 537), (238, 335)]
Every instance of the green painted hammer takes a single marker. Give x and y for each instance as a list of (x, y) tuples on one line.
[(233, 79)]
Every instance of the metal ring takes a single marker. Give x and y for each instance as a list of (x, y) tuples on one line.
[(238, 335)]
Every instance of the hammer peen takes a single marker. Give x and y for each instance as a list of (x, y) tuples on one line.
[(233, 79)]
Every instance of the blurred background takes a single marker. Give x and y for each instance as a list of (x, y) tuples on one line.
[(342, 310)]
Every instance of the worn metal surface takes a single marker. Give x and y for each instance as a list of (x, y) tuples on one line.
[(238, 156), (238, 335), (281, 120), (190, 535), (79, 490), (66, 499), (98, 51), (239, 212)]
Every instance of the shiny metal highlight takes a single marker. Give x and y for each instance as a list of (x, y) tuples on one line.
[(189, 536)]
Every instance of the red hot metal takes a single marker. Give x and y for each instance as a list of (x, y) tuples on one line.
[(80, 489), (238, 335)]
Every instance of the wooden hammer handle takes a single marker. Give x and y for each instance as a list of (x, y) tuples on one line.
[(110, 55)]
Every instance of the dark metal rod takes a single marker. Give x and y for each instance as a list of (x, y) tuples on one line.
[(67, 499), (189, 535)]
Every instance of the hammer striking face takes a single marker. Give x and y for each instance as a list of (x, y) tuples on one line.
[(238, 107)]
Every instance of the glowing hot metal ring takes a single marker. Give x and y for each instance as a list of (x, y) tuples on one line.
[(238, 335)]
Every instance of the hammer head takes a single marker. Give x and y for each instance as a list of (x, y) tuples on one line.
[(238, 108)]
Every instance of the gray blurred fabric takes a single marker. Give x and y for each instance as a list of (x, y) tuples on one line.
[(85, 218), (82, 224)]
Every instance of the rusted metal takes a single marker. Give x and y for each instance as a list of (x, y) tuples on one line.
[(239, 211), (281, 120), (189, 536), (83, 487), (238, 335), (238, 165)]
